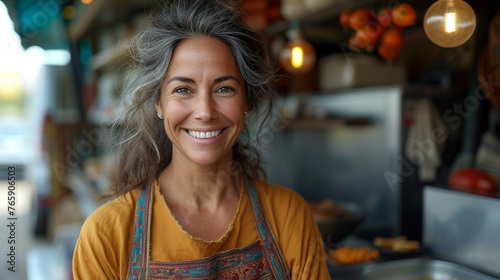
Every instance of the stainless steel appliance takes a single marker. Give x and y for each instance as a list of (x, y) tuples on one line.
[(345, 162)]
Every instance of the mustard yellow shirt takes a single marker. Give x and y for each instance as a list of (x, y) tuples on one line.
[(103, 248)]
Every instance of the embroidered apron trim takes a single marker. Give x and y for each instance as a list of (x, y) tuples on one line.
[(138, 265), (270, 244), (260, 260)]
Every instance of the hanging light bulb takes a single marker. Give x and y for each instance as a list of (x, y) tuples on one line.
[(297, 55), (449, 23)]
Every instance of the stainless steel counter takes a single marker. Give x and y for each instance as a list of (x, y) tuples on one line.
[(420, 267), (463, 228)]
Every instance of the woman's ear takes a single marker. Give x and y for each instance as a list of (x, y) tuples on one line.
[(158, 109), (158, 104)]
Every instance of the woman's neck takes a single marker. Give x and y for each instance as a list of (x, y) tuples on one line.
[(197, 187)]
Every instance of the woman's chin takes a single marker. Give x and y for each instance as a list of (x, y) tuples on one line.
[(209, 160)]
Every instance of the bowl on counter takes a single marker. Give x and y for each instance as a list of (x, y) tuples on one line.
[(336, 219)]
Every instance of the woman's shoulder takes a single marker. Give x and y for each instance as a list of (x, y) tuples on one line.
[(113, 215), (295, 230), (103, 248), (284, 208), (278, 194), (278, 198)]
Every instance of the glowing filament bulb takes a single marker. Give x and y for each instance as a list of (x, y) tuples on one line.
[(451, 22), (297, 57)]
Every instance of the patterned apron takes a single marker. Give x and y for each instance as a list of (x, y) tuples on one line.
[(260, 260)]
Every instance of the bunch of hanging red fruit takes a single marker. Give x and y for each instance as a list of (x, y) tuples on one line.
[(382, 30)]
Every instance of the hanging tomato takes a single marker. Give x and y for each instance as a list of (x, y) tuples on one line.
[(368, 36), (383, 29), (388, 53), (345, 16), (393, 37), (384, 17), (359, 18), (404, 15)]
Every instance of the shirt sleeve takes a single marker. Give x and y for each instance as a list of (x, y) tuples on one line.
[(297, 233), (85, 267), (103, 247), (304, 243)]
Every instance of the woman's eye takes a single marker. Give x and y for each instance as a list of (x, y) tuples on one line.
[(225, 90), (182, 90)]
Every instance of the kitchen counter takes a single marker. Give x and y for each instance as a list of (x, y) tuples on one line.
[(354, 271), (458, 228), (411, 264)]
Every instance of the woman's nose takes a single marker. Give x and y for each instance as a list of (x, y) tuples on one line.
[(205, 108)]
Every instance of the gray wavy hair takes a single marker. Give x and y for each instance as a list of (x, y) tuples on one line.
[(143, 147)]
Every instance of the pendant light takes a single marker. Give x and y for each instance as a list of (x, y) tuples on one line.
[(297, 56), (449, 23)]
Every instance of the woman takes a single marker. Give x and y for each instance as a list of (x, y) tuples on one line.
[(190, 202)]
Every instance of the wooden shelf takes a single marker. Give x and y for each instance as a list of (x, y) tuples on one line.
[(104, 12), (311, 123), (111, 57), (90, 14), (332, 11)]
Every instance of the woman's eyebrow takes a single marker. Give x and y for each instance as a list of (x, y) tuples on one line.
[(189, 80), (180, 79), (224, 78)]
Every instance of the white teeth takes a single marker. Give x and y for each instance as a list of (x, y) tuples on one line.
[(204, 135)]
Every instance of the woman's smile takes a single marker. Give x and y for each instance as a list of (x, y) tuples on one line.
[(204, 134)]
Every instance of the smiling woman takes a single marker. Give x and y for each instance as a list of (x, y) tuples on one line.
[(191, 199), (203, 93)]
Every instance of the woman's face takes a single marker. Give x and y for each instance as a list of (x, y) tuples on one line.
[(203, 101)]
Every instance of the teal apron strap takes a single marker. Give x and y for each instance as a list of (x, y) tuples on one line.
[(269, 242), (139, 257)]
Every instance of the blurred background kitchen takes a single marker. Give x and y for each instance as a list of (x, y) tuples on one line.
[(384, 117)]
